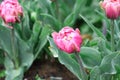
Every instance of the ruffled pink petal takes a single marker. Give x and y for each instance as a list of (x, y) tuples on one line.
[(10, 10), (68, 39)]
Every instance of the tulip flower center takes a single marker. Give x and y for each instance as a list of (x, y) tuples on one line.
[(68, 38), (114, 0)]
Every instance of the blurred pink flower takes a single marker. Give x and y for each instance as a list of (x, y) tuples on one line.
[(111, 8), (68, 39), (10, 10)]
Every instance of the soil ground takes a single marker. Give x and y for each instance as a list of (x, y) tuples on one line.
[(47, 70)]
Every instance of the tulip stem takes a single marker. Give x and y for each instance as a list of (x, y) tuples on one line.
[(112, 36), (23, 35), (15, 60), (82, 70)]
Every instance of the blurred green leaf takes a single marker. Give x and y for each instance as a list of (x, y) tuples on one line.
[(94, 42), (93, 27), (2, 73), (35, 33), (102, 15), (37, 77), (50, 19), (70, 19), (46, 30), (79, 4)]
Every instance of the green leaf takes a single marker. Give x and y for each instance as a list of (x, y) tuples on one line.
[(116, 63), (91, 57), (25, 54), (117, 30), (26, 26), (11, 72), (53, 47), (8, 63), (70, 63), (14, 74), (95, 73), (93, 27), (67, 60), (117, 45), (106, 77), (5, 40), (1, 56), (107, 67), (103, 47), (94, 42)]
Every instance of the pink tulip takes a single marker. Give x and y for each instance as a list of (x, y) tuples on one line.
[(68, 39), (111, 8), (10, 10)]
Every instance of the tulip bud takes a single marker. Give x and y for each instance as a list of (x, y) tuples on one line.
[(68, 39), (111, 8), (10, 10), (33, 16)]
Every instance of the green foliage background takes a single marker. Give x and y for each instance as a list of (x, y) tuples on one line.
[(41, 18)]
